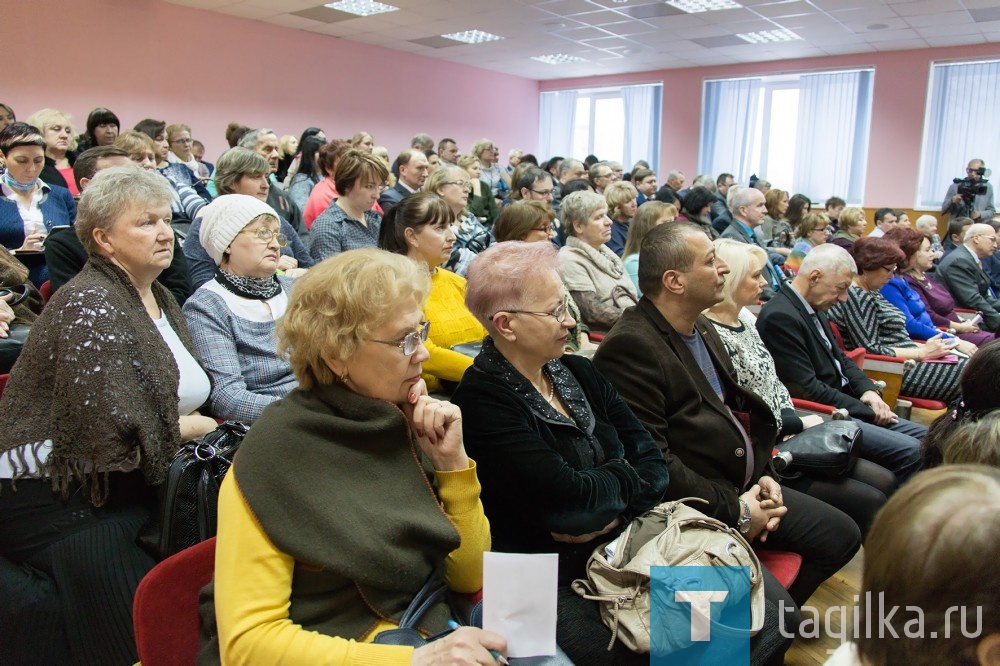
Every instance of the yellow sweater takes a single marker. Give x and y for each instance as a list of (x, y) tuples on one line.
[(451, 324), (253, 581)]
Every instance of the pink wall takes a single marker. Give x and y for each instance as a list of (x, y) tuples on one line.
[(144, 58), (900, 96)]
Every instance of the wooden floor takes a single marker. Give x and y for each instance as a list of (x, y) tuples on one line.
[(838, 591)]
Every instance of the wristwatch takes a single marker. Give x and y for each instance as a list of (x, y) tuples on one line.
[(743, 524)]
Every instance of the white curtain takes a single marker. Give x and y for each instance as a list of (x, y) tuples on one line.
[(642, 124), (960, 125), (728, 127), (557, 115), (831, 147)]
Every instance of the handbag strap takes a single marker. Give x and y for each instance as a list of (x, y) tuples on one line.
[(429, 594), (20, 292)]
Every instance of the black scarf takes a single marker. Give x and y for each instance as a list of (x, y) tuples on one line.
[(256, 289)]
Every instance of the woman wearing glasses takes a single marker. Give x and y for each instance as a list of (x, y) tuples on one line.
[(563, 462), (868, 320), (322, 549), (421, 227), (233, 316), (453, 185)]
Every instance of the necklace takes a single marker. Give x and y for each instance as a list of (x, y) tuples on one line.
[(552, 387)]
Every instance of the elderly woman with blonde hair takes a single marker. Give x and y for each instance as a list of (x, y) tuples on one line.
[(565, 463), (60, 147), (622, 198), (865, 489), (453, 184), (490, 171), (296, 581), (594, 275)]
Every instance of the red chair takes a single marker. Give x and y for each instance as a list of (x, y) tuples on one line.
[(3, 382), (46, 291), (783, 566), (165, 610)]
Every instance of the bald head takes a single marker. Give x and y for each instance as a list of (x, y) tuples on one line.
[(981, 239)]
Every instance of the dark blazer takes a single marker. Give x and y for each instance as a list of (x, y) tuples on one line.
[(736, 232), (541, 474), (802, 359), (653, 369), (969, 285), (392, 196), (65, 256)]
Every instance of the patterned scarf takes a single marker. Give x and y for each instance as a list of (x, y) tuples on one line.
[(257, 289), (18, 185)]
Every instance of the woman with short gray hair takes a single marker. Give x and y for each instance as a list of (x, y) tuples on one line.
[(594, 275), (103, 395)]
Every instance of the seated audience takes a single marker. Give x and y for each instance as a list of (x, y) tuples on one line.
[(363, 143), (696, 207), (120, 398), (482, 204), (288, 150), (860, 494), (452, 184), (961, 272), (264, 142), (645, 184), (350, 223), (795, 329), (360, 423), (851, 225), (198, 150), (885, 219), (564, 463), (64, 253), (242, 171), (866, 319), (747, 211), (531, 221), (308, 174), (232, 317), (593, 273), (979, 397), (925, 558), (925, 303), (103, 128), (621, 197), (29, 208), (650, 214), (927, 225), (156, 130), (7, 116), (668, 363), (975, 441), (775, 230), (813, 230), (955, 234), (180, 142), (421, 227), (325, 191), (186, 202), (833, 207), (490, 171), (60, 147)]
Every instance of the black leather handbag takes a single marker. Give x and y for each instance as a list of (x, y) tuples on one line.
[(189, 498), (827, 450)]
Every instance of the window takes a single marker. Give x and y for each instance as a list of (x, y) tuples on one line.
[(804, 133), (959, 125), (616, 124)]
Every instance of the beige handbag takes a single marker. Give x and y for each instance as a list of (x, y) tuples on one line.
[(669, 534)]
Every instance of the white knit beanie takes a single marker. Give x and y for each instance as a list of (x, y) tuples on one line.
[(224, 218)]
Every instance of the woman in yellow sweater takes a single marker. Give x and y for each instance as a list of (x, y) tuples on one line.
[(315, 556), (420, 227)]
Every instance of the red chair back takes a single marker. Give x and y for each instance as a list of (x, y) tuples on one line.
[(3, 382), (46, 291), (783, 565), (165, 611)]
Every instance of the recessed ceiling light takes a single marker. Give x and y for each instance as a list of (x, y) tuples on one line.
[(557, 58), (472, 37), (698, 6), (765, 36), (361, 7), (878, 26)]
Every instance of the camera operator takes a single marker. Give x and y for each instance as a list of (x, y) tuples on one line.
[(971, 196)]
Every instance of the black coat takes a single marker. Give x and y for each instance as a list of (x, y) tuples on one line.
[(392, 196), (542, 474), (969, 285), (804, 363), (653, 369)]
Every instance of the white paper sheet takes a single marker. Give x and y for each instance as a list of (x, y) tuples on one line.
[(519, 601)]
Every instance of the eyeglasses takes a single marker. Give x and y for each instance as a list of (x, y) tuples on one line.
[(411, 341), (891, 269), (464, 184), (604, 175), (543, 193), (184, 141), (547, 229), (991, 239), (559, 314), (266, 235)]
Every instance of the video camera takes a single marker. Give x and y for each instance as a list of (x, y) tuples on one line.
[(969, 189)]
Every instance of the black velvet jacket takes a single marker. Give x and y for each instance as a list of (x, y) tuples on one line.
[(542, 472)]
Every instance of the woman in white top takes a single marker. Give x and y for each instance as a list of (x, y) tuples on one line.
[(594, 275), (233, 317), (490, 171), (103, 395)]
